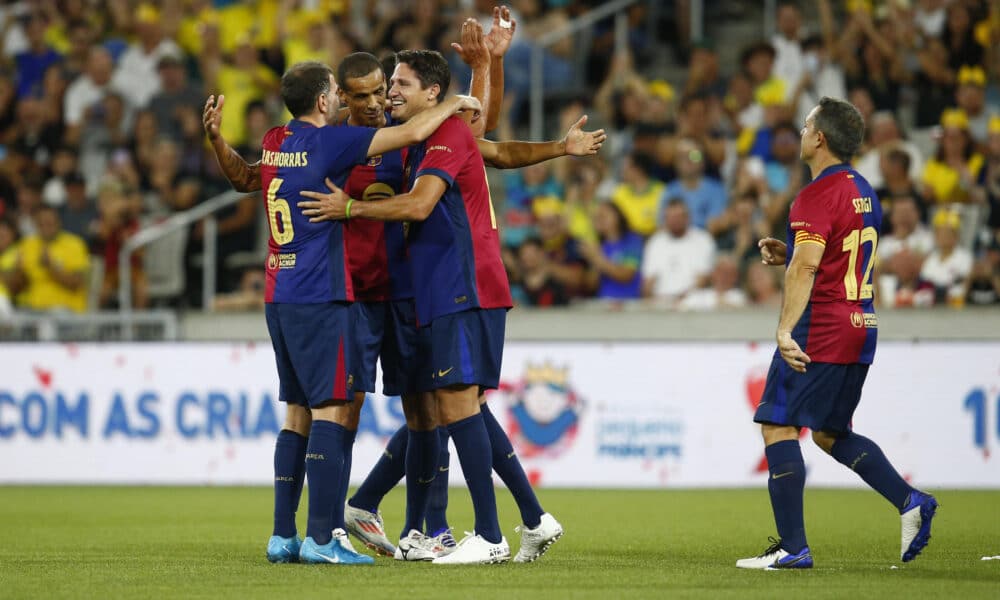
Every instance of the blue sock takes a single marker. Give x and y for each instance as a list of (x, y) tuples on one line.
[(786, 485), (324, 465), (345, 479), (386, 473), (865, 458), (508, 467), (437, 504), (472, 443), (289, 474), (421, 467)]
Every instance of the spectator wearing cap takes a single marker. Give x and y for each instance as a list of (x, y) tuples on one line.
[(756, 141), (54, 264), (948, 265), (638, 196), (950, 175), (705, 196), (136, 74), (970, 97), (78, 215), (175, 95), (39, 56)]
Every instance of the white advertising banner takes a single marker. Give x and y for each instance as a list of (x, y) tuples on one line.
[(579, 414)]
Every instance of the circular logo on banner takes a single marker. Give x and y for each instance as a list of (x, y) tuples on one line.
[(544, 411)]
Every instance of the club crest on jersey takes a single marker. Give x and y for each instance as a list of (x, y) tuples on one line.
[(857, 320), (272, 262), (375, 160)]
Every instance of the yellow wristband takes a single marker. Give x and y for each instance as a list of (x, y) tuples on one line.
[(347, 209)]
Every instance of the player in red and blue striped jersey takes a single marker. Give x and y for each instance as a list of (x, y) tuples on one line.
[(308, 295), (826, 340)]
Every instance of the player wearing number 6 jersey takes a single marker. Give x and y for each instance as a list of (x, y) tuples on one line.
[(826, 340), (308, 296)]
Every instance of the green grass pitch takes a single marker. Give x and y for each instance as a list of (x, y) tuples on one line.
[(150, 542)]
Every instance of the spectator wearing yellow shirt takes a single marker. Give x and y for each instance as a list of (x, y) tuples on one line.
[(9, 277), (243, 80), (638, 196), (54, 266), (950, 175)]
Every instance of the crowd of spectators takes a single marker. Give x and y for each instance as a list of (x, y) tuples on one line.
[(100, 136)]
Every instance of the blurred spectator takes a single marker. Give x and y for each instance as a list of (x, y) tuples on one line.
[(740, 226), (10, 280), (638, 196), (895, 168), (948, 265), (871, 60), (522, 186), (723, 290), (983, 285), (172, 189), (958, 37), (789, 63), (541, 286), (883, 136), (63, 162), (106, 132), (908, 233), (242, 80), (117, 222), (249, 295), (582, 197), (705, 196), (614, 264), (949, 176), (678, 258), (703, 76), (78, 214), (565, 263), (988, 188), (54, 265), (8, 110), (88, 90), (32, 63), (136, 73), (822, 73), (174, 94), (762, 285), (81, 38), (934, 82), (930, 16), (970, 97), (37, 134), (29, 199)]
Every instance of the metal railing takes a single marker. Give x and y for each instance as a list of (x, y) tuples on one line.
[(152, 325), (203, 212)]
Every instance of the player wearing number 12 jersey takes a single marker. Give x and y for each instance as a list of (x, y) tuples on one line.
[(826, 340), (308, 296)]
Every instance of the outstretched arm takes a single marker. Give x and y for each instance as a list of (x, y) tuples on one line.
[(474, 52), (514, 154), (415, 205), (244, 177), (421, 126)]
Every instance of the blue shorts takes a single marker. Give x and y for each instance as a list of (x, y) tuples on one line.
[(823, 398), (312, 347), (400, 358), (369, 333), (463, 348)]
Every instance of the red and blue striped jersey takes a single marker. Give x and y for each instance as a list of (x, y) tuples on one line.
[(307, 262), (455, 252), (377, 250), (840, 212)]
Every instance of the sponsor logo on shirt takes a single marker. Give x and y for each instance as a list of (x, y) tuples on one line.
[(433, 148), (799, 224), (866, 320), (281, 261), (461, 299), (377, 191)]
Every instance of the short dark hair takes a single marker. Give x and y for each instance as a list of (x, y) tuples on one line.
[(356, 65), (842, 126), (643, 162), (430, 68), (676, 201), (388, 64), (302, 84), (900, 157)]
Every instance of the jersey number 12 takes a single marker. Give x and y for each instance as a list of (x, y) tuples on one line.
[(852, 244), (279, 214)]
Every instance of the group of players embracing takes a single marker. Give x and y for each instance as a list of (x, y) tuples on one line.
[(384, 246)]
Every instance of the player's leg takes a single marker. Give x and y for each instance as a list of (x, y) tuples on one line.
[(361, 514), (786, 480), (865, 457), (466, 350), (539, 530), (421, 468), (319, 341), (289, 452), (436, 519)]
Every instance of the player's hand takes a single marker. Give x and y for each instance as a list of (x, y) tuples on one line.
[(211, 118), (772, 251), (581, 143), (473, 50), (502, 31), (325, 207), (469, 103), (792, 353)]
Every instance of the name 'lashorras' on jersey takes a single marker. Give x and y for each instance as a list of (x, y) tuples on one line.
[(840, 212), (455, 252), (376, 250), (307, 262)]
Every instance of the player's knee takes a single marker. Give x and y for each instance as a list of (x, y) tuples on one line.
[(457, 404), (421, 411), (298, 419), (825, 440)]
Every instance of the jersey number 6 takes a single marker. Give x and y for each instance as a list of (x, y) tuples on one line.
[(852, 243), (279, 214)]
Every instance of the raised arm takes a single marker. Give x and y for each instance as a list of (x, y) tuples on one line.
[(244, 176), (474, 52), (421, 126), (515, 154), (498, 40), (415, 205)]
